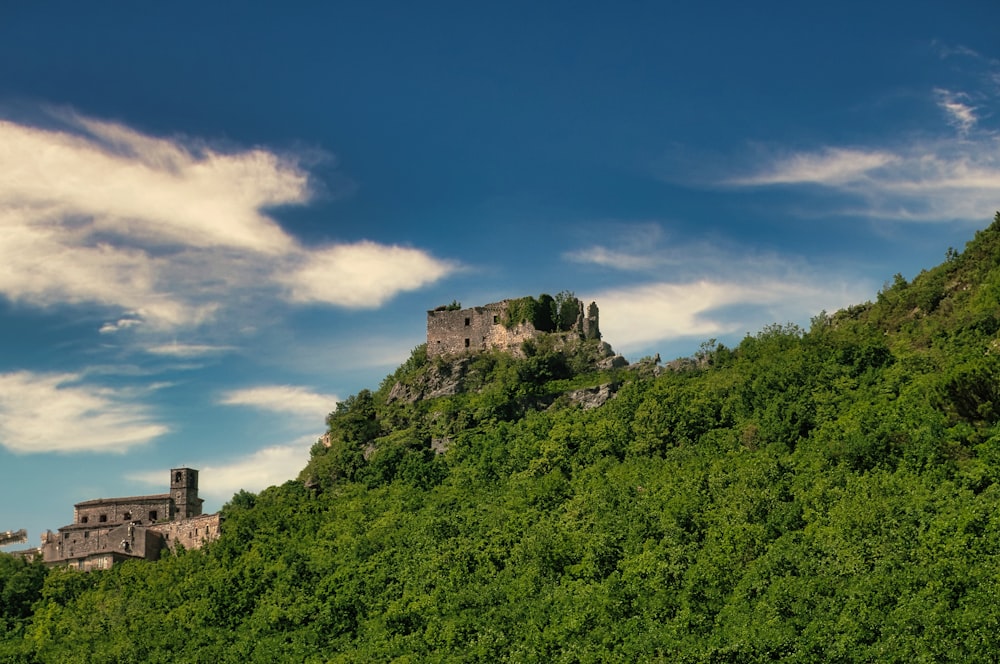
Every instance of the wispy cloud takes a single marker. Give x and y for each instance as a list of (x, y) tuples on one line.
[(254, 472), (58, 412), (960, 114), (631, 247), (936, 175), (942, 180), (165, 232), (829, 166), (174, 349), (291, 399)]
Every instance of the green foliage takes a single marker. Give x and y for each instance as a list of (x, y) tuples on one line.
[(821, 495), (546, 314)]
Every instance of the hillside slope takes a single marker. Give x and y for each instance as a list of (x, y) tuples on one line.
[(820, 495)]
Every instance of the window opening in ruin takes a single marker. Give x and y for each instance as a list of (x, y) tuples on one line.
[(152, 515), (468, 321), (496, 319), (86, 534), (84, 519), (103, 518), (127, 517), (466, 343)]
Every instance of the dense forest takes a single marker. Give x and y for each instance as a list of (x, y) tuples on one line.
[(827, 494)]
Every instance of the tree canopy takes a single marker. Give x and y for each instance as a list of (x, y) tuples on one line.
[(821, 494)]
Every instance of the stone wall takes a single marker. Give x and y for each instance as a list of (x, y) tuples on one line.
[(463, 330), (192, 533), (74, 545), (112, 511), (452, 332)]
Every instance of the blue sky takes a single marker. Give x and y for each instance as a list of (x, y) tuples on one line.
[(217, 220)]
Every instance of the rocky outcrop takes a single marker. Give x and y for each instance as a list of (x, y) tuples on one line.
[(614, 362), (592, 397), (440, 380)]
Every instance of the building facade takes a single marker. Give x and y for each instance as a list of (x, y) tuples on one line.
[(109, 530)]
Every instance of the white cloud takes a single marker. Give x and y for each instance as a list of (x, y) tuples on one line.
[(290, 399), (174, 349), (58, 413), (362, 275), (149, 188), (640, 316), (607, 257), (710, 288), (830, 166), (167, 233), (961, 116), (120, 324), (266, 467), (942, 180)]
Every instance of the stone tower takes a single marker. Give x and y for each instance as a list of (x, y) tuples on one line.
[(184, 492)]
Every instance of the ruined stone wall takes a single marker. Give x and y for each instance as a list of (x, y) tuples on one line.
[(510, 339), (481, 328), (463, 330), (192, 533)]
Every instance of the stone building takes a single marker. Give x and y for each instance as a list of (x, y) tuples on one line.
[(109, 530), (454, 331)]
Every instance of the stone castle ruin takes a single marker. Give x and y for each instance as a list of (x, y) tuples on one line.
[(106, 531), (452, 331)]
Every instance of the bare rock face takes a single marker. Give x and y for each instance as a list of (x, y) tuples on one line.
[(615, 362), (592, 397), (441, 380), (440, 445)]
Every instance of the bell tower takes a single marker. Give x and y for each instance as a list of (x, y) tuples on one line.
[(184, 492)]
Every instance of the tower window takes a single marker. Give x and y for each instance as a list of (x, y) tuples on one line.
[(103, 518), (466, 343), (468, 321), (84, 519)]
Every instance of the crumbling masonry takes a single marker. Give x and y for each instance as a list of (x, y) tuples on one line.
[(454, 331)]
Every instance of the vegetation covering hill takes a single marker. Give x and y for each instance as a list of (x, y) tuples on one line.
[(820, 495)]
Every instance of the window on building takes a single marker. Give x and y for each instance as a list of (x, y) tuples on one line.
[(466, 343), (127, 516), (177, 477), (496, 319), (84, 519), (103, 518), (468, 321), (86, 534), (152, 515)]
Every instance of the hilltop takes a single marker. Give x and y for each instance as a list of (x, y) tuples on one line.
[(808, 495)]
